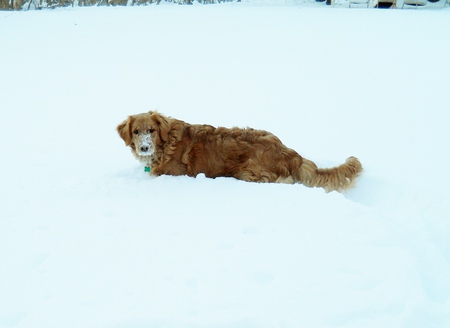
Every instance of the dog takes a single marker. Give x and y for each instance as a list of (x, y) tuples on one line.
[(173, 147)]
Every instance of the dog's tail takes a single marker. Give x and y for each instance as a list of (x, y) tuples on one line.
[(338, 178)]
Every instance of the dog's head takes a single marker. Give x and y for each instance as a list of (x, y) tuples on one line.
[(144, 133)]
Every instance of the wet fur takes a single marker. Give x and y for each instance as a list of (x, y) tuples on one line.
[(246, 154)]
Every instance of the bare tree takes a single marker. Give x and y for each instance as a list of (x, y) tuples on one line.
[(39, 4)]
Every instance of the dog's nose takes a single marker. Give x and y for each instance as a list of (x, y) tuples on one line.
[(144, 148)]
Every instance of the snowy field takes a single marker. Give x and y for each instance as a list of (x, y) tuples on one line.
[(87, 239)]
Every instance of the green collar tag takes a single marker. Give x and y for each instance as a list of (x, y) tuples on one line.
[(147, 169)]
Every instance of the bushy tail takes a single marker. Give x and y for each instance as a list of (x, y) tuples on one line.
[(337, 178)]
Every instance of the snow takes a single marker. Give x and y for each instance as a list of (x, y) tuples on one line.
[(88, 239)]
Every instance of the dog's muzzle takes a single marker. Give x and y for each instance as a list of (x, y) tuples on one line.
[(146, 145)]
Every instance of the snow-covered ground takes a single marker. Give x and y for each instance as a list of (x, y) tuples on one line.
[(87, 239)]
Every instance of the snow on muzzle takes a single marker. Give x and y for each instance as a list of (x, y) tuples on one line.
[(146, 147)]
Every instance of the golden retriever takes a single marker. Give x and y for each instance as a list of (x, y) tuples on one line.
[(170, 146)]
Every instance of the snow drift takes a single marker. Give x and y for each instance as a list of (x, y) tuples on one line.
[(87, 239)]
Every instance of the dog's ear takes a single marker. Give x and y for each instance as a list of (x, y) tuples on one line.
[(163, 124), (124, 130)]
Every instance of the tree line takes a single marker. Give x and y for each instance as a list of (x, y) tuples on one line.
[(40, 4)]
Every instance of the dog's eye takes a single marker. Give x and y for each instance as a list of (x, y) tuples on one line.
[(151, 130), (136, 131)]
